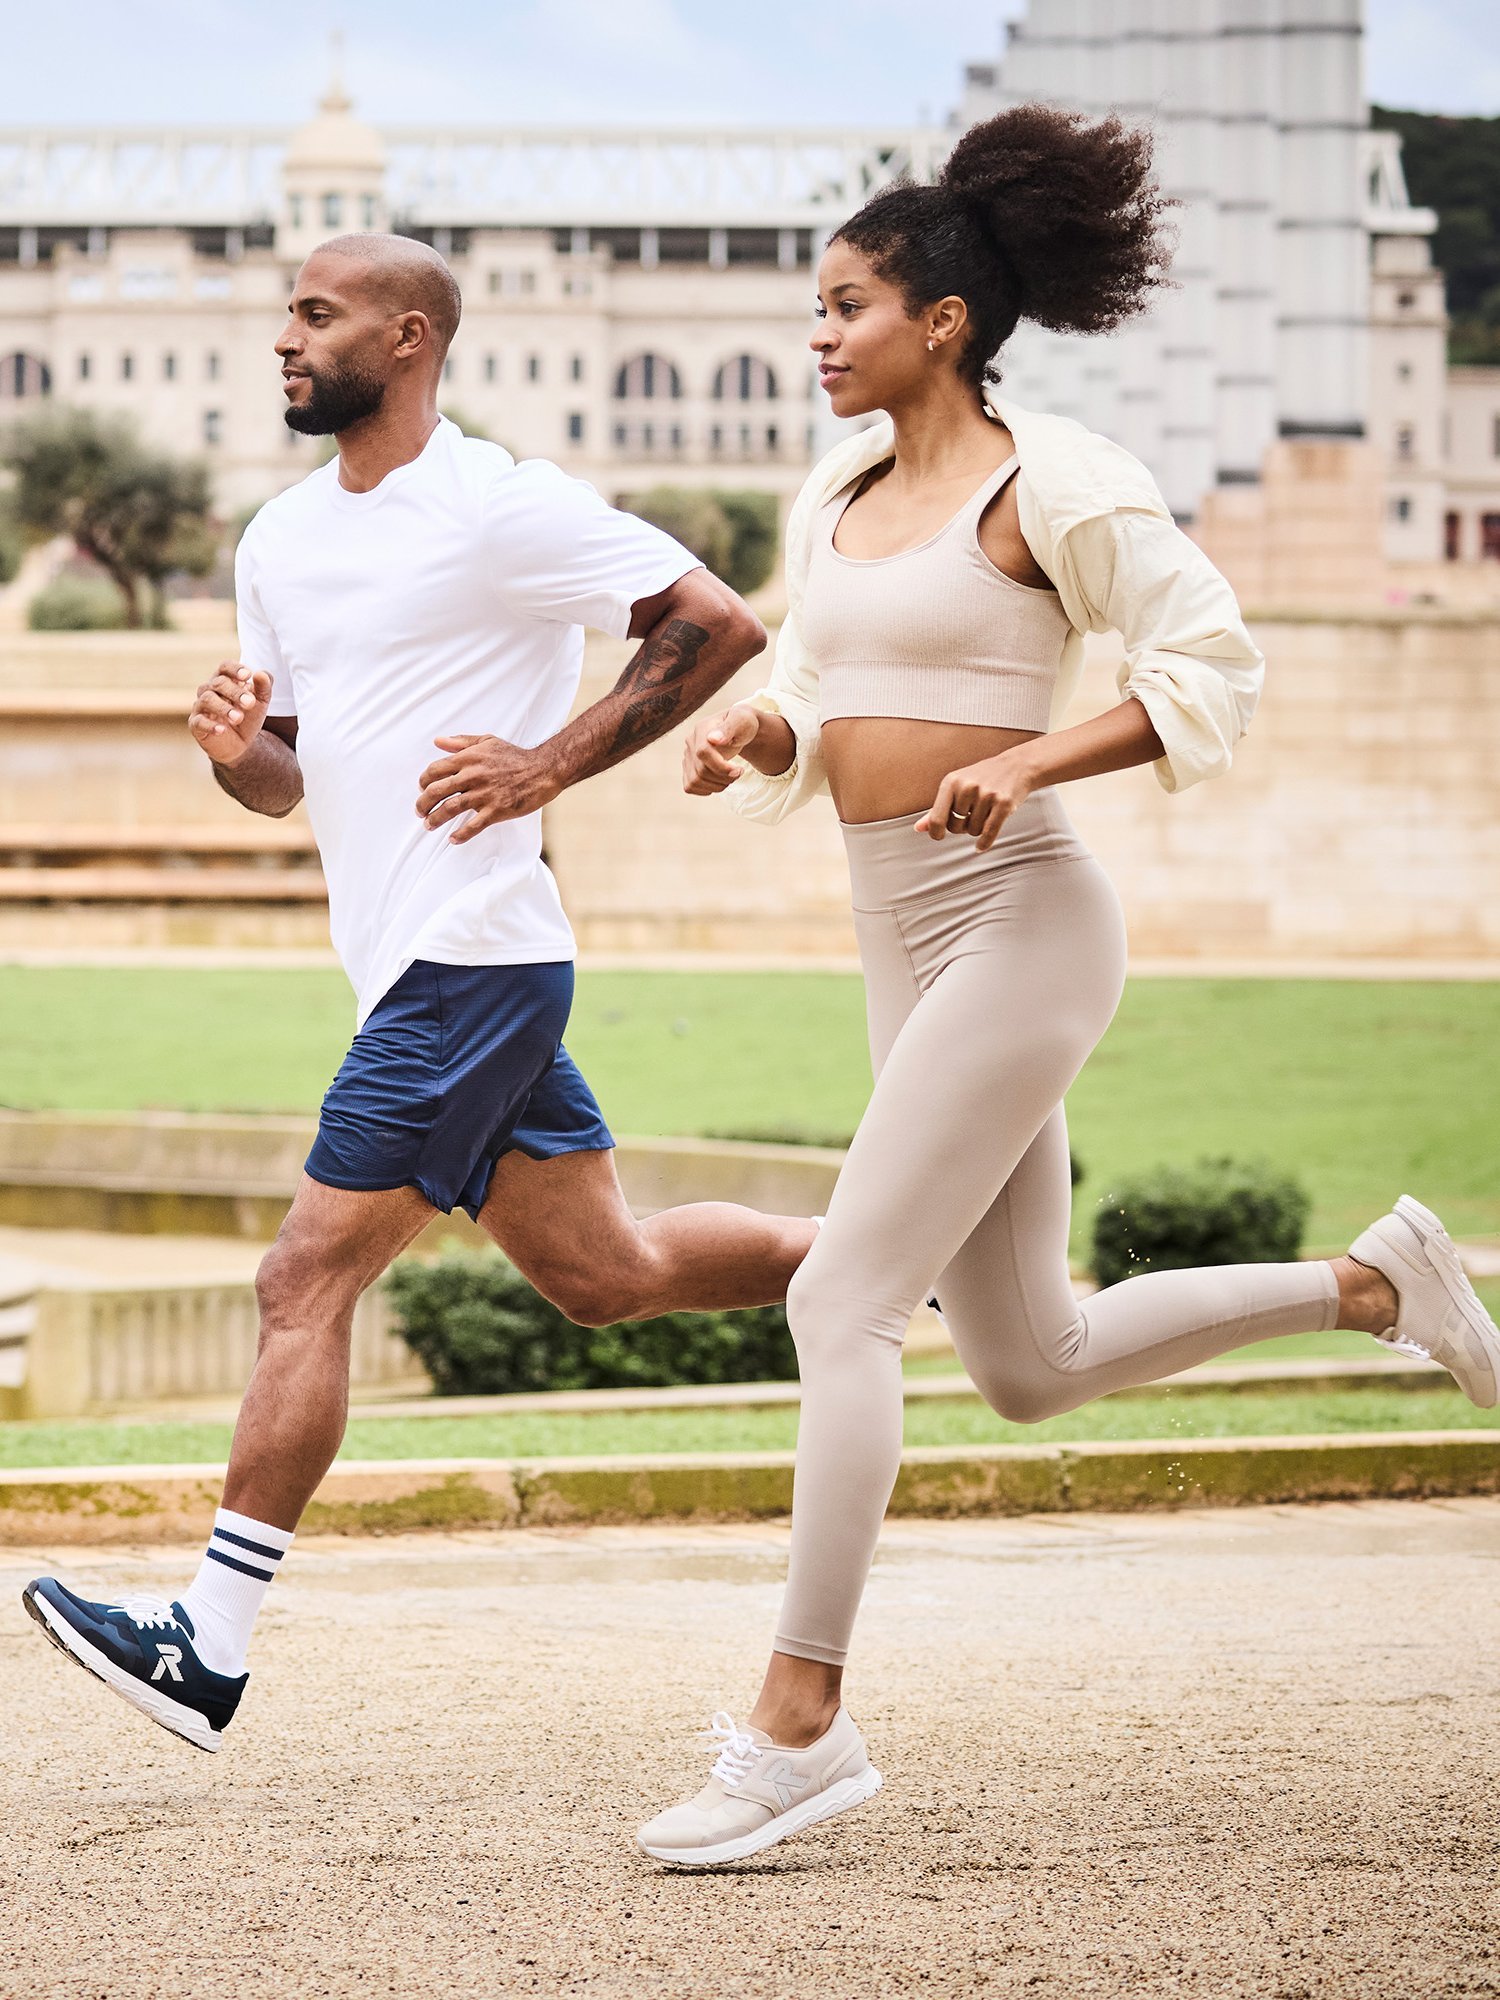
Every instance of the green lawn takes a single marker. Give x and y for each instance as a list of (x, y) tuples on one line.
[(1245, 1414), (1363, 1089)]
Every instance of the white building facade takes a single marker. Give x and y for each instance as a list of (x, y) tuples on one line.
[(637, 305)]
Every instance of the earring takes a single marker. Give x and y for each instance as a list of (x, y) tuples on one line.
[(931, 345)]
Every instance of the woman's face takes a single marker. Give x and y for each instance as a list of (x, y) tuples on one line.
[(870, 352)]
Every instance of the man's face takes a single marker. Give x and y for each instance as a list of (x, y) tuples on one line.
[(336, 348)]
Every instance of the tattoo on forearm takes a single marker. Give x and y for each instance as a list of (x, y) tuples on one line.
[(652, 683)]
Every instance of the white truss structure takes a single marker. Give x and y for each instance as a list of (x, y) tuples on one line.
[(468, 178)]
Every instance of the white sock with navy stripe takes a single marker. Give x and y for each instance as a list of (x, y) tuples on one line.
[(242, 1558)]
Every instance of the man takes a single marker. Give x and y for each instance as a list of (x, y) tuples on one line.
[(422, 593)]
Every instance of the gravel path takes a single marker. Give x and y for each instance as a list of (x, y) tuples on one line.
[(1205, 1755)]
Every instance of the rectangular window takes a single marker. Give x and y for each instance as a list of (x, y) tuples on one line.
[(491, 368), (85, 367), (533, 368), (367, 211), (169, 368), (127, 367), (575, 370), (211, 366), (213, 426), (575, 427), (1401, 508), (294, 206), (1405, 441), (1495, 438), (333, 211), (448, 369)]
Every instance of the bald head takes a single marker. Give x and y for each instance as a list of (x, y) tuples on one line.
[(401, 275)]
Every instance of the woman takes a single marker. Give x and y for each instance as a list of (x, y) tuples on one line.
[(942, 568)]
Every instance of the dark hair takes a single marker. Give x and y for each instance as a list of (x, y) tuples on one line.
[(1037, 215)]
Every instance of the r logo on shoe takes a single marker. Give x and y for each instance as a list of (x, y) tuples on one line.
[(169, 1661)]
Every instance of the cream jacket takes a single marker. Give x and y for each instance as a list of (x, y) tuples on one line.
[(1095, 521)]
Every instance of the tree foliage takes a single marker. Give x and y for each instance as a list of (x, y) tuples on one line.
[(138, 513), (12, 540), (1453, 166), (733, 533)]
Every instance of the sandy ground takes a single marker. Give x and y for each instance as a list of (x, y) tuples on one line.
[(1207, 1755)]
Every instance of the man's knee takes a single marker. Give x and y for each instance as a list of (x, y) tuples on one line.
[(296, 1290), (596, 1295)]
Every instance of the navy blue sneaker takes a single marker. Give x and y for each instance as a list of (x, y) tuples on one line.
[(143, 1649)]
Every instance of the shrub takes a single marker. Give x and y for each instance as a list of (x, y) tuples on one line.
[(480, 1329), (76, 604), (692, 516), (12, 541), (1217, 1212), (755, 533)]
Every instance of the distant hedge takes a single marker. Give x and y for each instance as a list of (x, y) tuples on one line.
[(1220, 1211), (479, 1329), (76, 604)]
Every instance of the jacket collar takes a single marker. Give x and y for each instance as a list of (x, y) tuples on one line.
[(1074, 474)]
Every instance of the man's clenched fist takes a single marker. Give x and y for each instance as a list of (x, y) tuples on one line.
[(229, 710)]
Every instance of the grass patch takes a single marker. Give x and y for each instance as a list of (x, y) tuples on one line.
[(135, 1442), (1361, 1090)]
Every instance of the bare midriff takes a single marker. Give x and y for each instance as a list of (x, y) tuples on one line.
[(883, 767)]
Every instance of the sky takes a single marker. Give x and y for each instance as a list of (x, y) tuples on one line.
[(666, 62)]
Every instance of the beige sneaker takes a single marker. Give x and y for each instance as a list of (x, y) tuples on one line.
[(760, 1793), (1438, 1312)]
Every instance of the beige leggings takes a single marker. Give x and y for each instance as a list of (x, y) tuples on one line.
[(989, 978)]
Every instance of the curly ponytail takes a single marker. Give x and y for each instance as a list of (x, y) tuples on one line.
[(1038, 215)]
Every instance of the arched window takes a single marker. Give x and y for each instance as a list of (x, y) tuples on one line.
[(745, 379), (23, 375), (649, 377)]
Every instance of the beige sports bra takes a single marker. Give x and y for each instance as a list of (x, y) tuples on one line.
[(935, 633)]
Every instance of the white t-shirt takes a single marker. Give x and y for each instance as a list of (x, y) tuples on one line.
[(447, 601)]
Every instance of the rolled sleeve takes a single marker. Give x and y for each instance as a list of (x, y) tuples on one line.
[(1189, 659), (791, 693)]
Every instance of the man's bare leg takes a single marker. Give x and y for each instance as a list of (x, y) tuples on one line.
[(565, 1224), (332, 1246)]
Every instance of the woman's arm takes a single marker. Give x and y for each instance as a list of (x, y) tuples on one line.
[(978, 800)]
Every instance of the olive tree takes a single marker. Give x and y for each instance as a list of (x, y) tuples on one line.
[(138, 513)]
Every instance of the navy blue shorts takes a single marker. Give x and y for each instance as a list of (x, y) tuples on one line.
[(457, 1065)]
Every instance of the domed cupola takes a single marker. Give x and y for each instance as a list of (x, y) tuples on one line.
[(333, 177)]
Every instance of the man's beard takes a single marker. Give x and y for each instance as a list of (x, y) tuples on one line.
[(339, 397)]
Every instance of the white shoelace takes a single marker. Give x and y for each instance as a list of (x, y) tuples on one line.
[(148, 1614), (737, 1750)]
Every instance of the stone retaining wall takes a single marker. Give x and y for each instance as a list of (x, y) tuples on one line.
[(186, 1173), (89, 1349), (1362, 820)]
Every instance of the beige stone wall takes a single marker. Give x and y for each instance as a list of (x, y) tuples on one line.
[(1361, 820)]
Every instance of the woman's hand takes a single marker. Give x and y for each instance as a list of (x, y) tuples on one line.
[(979, 799), (712, 745)]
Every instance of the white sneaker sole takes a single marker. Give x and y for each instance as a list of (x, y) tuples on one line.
[(1442, 1256), (797, 1819), (182, 1721)]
